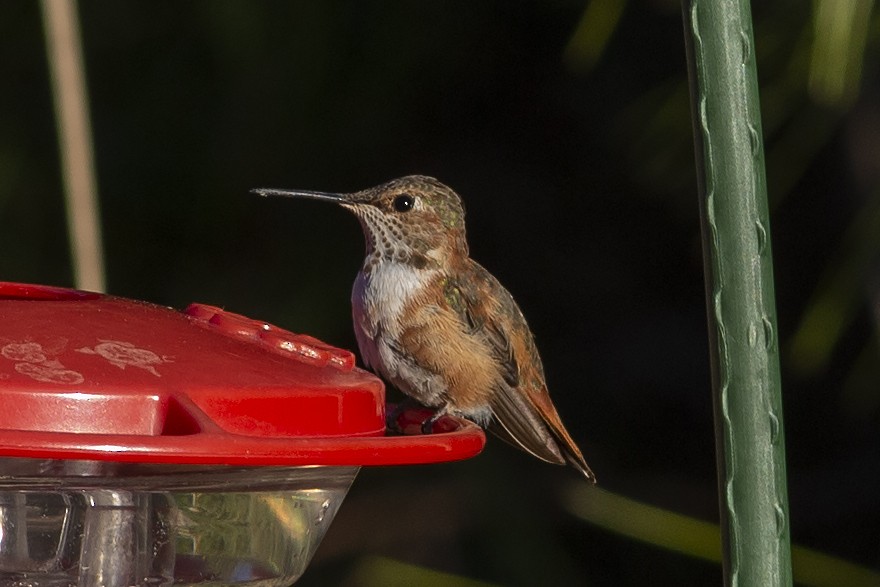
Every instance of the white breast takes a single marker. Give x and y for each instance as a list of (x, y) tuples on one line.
[(378, 301), (378, 298)]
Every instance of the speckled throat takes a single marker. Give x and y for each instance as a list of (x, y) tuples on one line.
[(387, 239)]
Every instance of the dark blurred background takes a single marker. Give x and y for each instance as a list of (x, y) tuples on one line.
[(565, 125)]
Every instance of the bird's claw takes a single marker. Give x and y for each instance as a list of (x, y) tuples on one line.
[(428, 425)]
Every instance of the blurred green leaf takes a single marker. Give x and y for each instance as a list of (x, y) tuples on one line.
[(840, 29), (839, 295), (386, 572), (692, 537), (599, 21)]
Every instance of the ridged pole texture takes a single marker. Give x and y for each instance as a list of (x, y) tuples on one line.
[(741, 311)]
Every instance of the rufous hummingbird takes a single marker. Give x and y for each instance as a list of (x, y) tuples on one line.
[(435, 324)]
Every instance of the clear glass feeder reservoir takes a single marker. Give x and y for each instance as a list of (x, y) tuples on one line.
[(144, 446)]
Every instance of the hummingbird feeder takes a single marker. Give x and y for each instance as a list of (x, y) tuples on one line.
[(140, 445)]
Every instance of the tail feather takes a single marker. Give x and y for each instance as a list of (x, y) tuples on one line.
[(518, 422)]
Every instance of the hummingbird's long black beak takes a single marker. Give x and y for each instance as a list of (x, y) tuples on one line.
[(325, 196)]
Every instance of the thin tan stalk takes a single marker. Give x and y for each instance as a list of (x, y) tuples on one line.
[(64, 52)]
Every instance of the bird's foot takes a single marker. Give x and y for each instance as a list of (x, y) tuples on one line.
[(428, 425), (392, 418)]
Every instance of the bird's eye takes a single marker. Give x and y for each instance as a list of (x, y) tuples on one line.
[(404, 203)]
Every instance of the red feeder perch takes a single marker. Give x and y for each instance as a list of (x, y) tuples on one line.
[(144, 446)]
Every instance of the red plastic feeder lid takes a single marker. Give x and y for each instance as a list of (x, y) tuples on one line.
[(89, 376)]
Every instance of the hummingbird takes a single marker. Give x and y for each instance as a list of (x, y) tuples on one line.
[(438, 326)]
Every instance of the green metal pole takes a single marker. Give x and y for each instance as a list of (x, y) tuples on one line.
[(739, 293)]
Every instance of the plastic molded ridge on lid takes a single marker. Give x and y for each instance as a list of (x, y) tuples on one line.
[(90, 376)]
